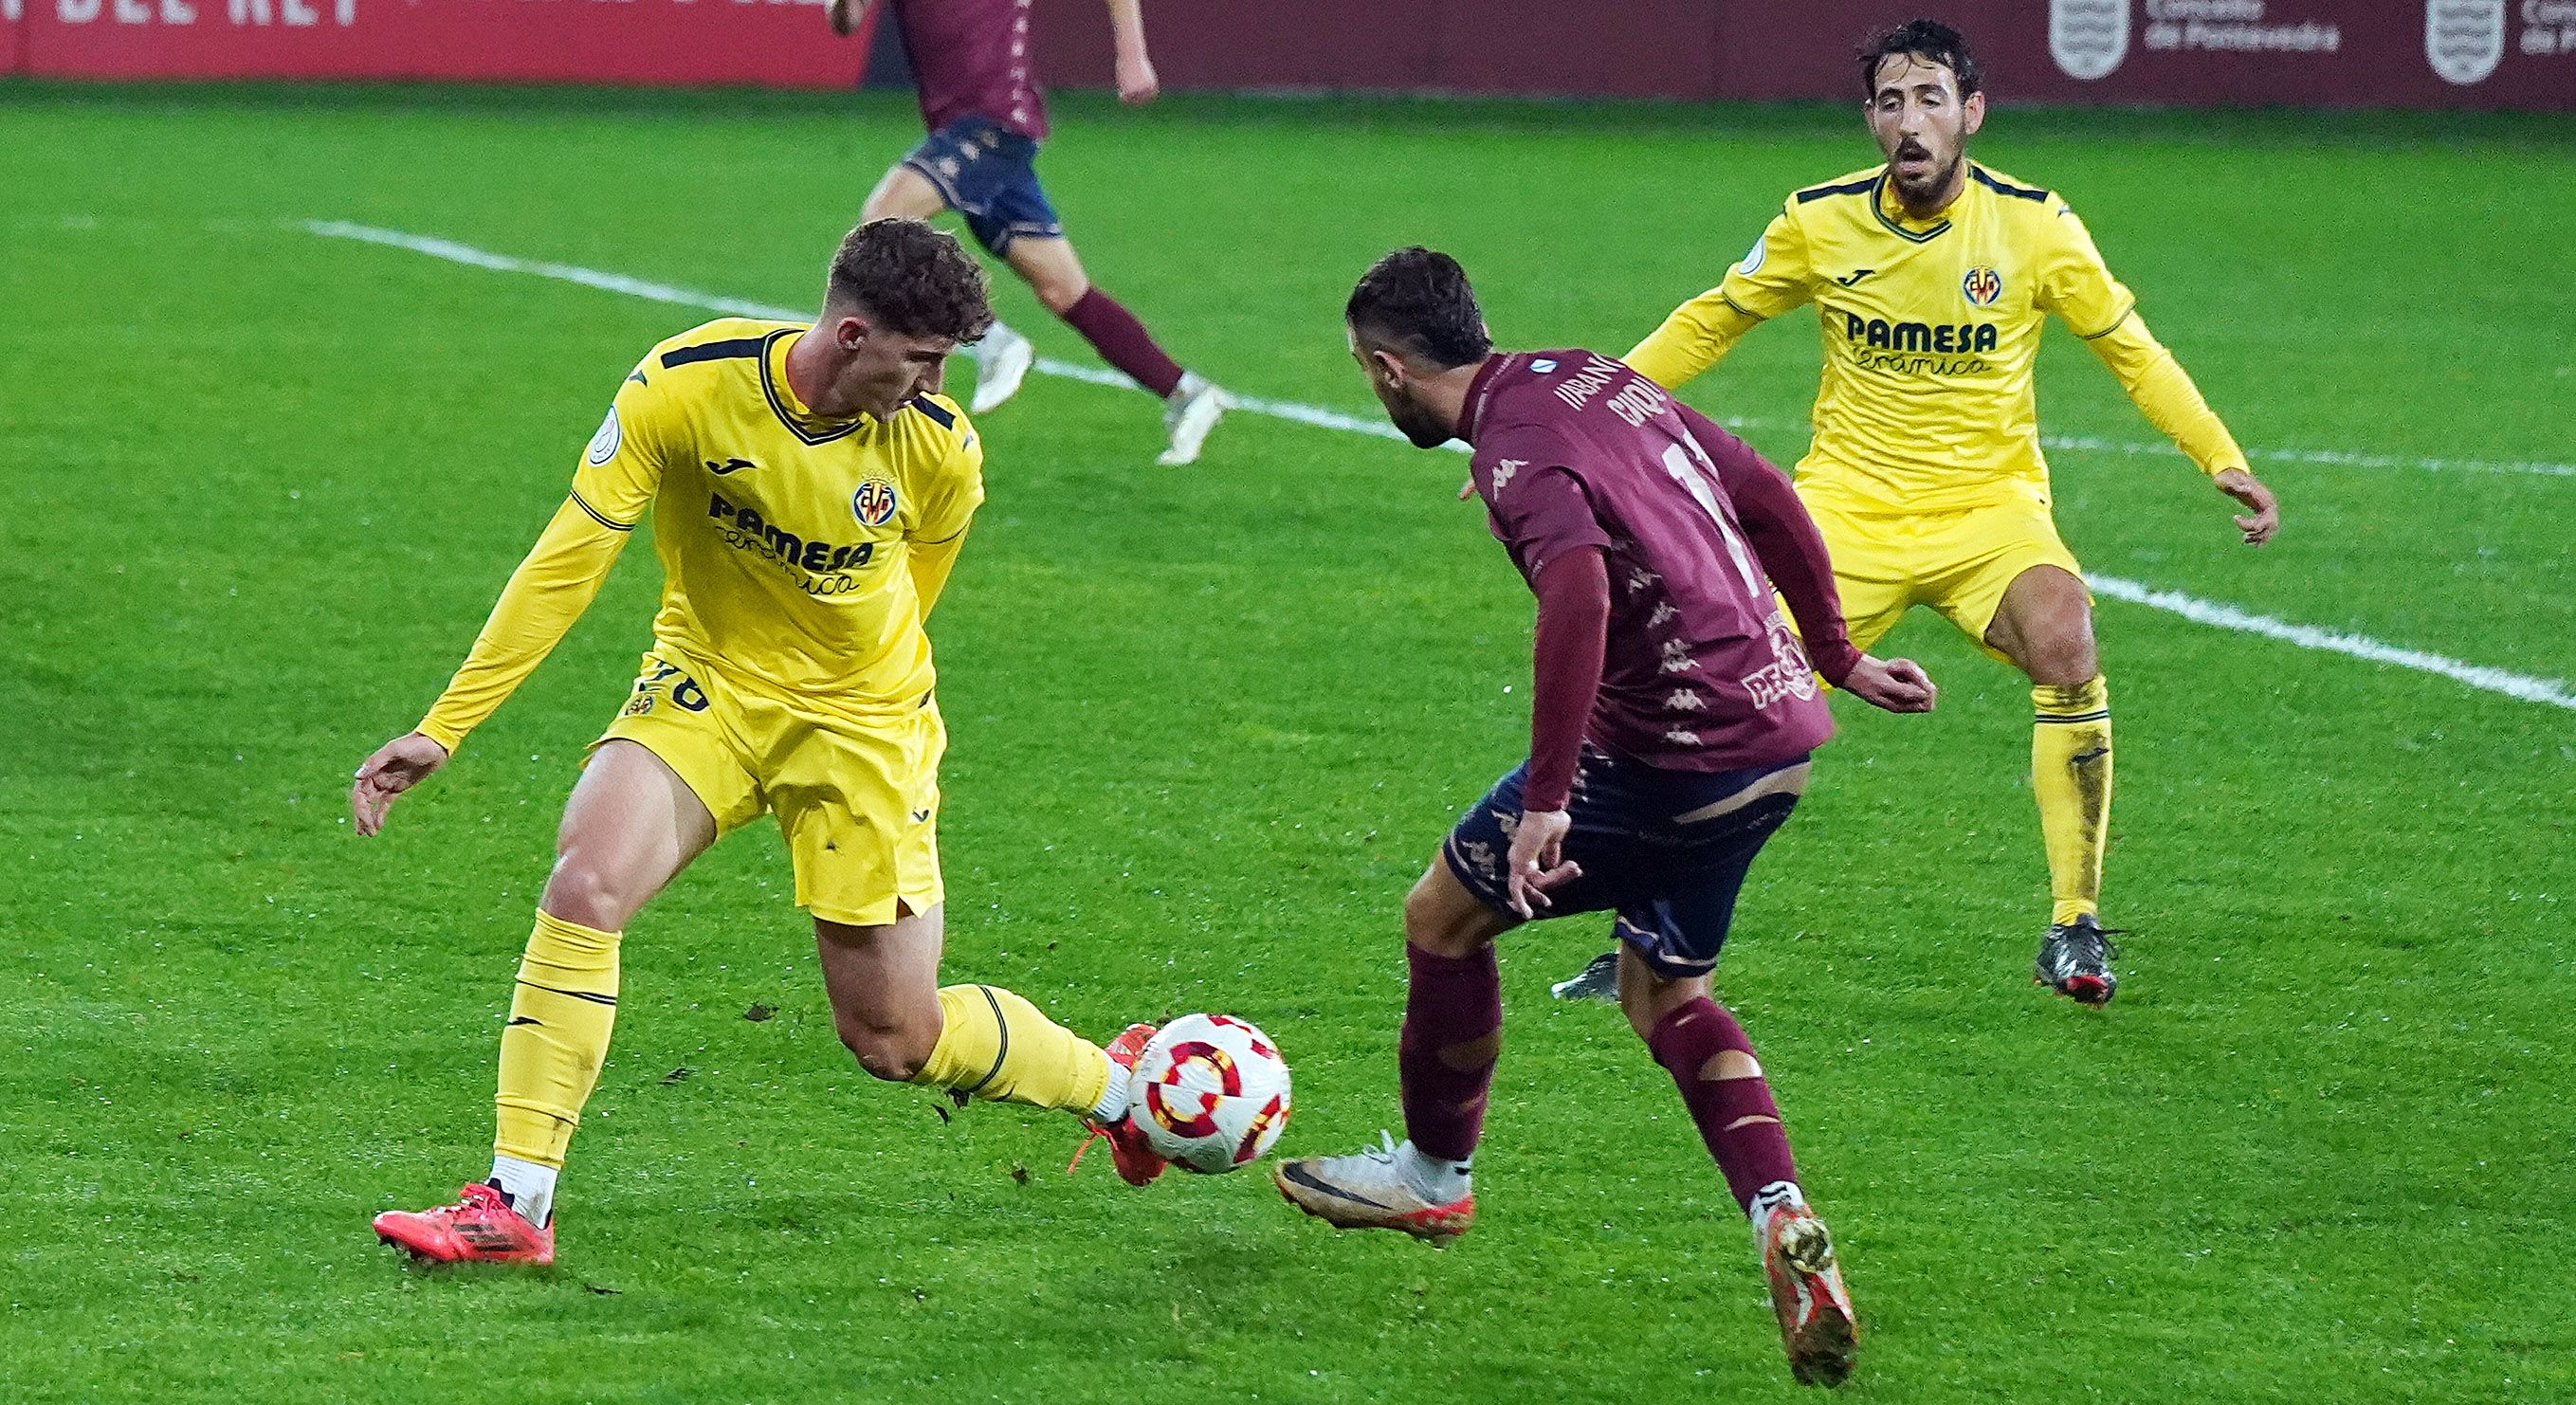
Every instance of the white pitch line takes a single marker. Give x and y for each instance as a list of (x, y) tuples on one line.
[(2549, 691), (2308, 636)]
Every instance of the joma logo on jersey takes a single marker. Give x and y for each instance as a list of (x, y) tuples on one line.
[(873, 503), (1981, 286), (751, 533), (1878, 332)]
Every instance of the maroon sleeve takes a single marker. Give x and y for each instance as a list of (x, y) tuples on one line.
[(1785, 538), (1573, 630)]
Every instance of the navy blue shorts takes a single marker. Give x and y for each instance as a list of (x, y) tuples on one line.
[(990, 175), (1665, 850)]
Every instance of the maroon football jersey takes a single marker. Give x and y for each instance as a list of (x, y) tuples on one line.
[(1701, 671), (970, 58)]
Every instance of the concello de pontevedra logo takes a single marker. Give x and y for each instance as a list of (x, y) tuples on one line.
[(2464, 39), (2088, 38)]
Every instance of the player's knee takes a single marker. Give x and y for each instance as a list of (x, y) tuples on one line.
[(1057, 292), (2063, 659), (1435, 921), (579, 891), (894, 1053)]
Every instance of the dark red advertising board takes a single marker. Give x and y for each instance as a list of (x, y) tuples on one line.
[(2346, 53), (765, 42)]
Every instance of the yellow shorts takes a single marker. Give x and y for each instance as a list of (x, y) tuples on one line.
[(859, 805), (1958, 562)]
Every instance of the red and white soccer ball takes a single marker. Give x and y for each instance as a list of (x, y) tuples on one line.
[(1210, 1092)]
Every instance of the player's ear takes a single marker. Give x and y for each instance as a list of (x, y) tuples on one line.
[(1975, 108), (849, 331)]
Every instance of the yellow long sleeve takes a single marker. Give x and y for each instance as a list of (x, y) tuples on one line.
[(930, 563), (1698, 334), (549, 590), (2164, 392)]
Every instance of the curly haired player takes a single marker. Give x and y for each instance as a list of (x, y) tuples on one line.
[(810, 489)]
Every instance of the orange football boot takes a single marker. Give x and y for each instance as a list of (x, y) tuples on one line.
[(1137, 1161), (1817, 1327), (480, 1228)]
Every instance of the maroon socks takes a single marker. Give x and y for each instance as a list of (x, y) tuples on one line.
[(1453, 1029), (1123, 342), (1726, 1097)]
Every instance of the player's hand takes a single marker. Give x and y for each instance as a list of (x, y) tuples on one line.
[(1467, 489), (2258, 500), (1896, 685), (397, 766), (846, 14), (1136, 80), (1538, 860)]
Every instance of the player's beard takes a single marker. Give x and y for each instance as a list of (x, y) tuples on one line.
[(1420, 426), (1932, 186)]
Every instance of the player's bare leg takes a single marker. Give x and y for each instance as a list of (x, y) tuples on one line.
[(1721, 1082), (974, 1040), (1191, 405), (2045, 626), (629, 828), (902, 193), (1452, 1036)]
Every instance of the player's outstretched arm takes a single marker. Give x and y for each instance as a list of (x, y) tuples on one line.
[(395, 767), (1134, 69), (2157, 384)]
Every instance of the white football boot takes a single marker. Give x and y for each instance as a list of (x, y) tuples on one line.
[(1192, 410), (1369, 1190), (1002, 361)]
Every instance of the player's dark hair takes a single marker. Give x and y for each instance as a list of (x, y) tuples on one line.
[(1928, 40), (915, 279), (1418, 299)]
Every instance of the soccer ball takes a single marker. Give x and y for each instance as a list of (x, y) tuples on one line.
[(1210, 1092)]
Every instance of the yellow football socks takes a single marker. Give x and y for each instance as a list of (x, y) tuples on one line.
[(2070, 768), (993, 1044), (557, 1037)]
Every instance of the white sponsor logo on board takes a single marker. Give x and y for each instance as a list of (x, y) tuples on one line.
[(2088, 38), (2464, 39)]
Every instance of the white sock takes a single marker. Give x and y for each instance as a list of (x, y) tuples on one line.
[(1191, 384), (1430, 1177), (1113, 1097), (1778, 1195), (531, 1187)]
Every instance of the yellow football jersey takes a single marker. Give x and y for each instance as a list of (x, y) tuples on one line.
[(799, 555), (1930, 331)]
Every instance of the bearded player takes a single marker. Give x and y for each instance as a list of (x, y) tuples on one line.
[(971, 69), (1672, 717), (1931, 276), (810, 489)]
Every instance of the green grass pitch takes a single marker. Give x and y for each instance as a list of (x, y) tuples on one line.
[(258, 488)]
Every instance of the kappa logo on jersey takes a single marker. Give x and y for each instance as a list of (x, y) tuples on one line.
[(874, 503), (1981, 286), (604, 444)]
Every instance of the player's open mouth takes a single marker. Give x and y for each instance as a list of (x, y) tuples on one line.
[(1912, 159)]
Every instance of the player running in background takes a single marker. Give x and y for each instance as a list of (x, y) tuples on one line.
[(1931, 276), (970, 65), (1672, 715), (810, 490)]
